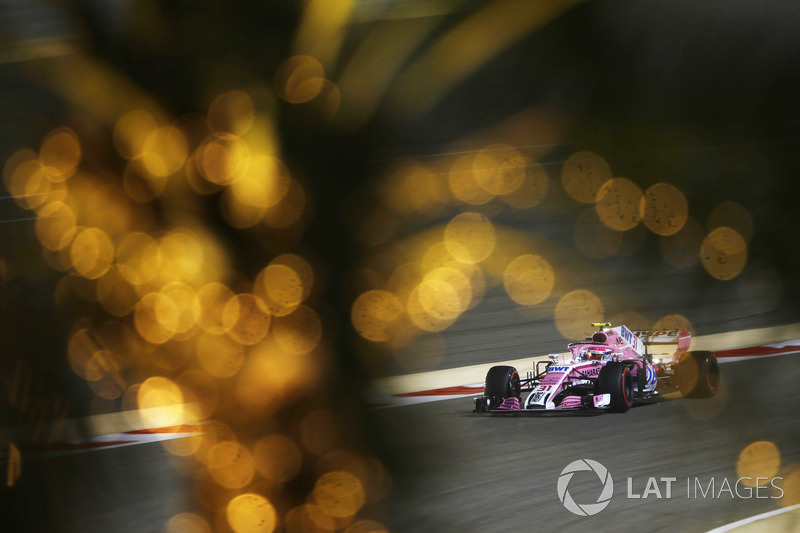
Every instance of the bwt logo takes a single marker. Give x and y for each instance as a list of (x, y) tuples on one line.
[(585, 509)]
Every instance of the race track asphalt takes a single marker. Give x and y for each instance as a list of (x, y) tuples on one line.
[(455, 471), (459, 471)]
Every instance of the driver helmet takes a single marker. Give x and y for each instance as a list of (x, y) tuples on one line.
[(594, 354)]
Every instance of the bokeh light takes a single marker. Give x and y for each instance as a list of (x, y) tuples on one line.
[(298, 332), (339, 494), (230, 464), (619, 204), (92, 253), (246, 318), (675, 321), (375, 314), (760, 459), (61, 150), (231, 112), (724, 253), (575, 313), (251, 513), (499, 169), (463, 184), (160, 402), (665, 209), (733, 215), (470, 237), (529, 279), (299, 79), (533, 189), (583, 174)]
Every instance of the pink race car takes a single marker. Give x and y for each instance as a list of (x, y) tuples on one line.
[(611, 370)]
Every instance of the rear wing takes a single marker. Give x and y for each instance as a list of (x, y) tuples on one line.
[(664, 341)]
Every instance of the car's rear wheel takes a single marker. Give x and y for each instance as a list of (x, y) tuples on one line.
[(616, 380), (501, 382), (697, 374)]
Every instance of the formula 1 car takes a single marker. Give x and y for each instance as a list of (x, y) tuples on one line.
[(611, 370)]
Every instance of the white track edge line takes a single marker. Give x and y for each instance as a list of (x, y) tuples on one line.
[(751, 519)]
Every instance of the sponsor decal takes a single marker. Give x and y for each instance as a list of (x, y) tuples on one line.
[(558, 369), (537, 397), (651, 375)]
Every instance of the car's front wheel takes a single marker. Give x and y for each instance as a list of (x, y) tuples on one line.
[(616, 380), (501, 382)]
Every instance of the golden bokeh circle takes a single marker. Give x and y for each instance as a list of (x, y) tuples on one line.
[(230, 465), (463, 184), (299, 332), (115, 293), (301, 268), (374, 315), (421, 318), (231, 112), (675, 321), (576, 311), (246, 319), (212, 299), (533, 189), (583, 175), (339, 494), (131, 131), (149, 314), (724, 253), (61, 150), (164, 152), (734, 215), (281, 288), (200, 392), (251, 513), (445, 293), (92, 253), (299, 79), (55, 226), (470, 237), (219, 355), (665, 209), (760, 459), (529, 279), (499, 169), (619, 204), (160, 402)]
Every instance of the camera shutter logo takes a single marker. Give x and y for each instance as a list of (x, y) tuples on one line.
[(585, 509)]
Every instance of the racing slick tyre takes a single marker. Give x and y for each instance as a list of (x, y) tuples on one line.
[(501, 382), (616, 379), (697, 374)]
